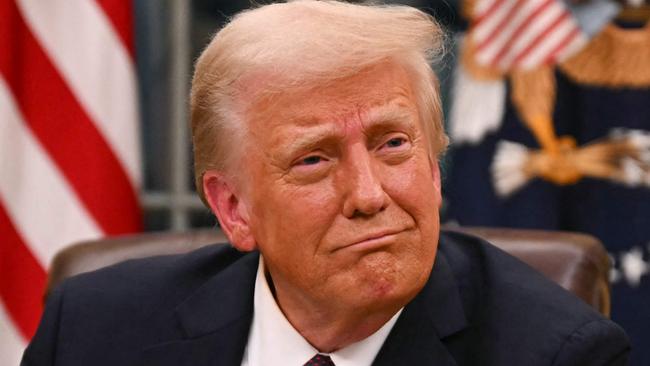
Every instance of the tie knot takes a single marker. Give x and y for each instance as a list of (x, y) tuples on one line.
[(320, 360)]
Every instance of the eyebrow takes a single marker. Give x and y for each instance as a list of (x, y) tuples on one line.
[(390, 112), (312, 137), (388, 116)]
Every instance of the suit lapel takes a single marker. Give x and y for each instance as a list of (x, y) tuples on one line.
[(213, 322), (418, 337)]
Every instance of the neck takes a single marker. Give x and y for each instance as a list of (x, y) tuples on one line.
[(328, 326), (329, 334)]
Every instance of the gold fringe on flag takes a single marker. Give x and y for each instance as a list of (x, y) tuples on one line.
[(616, 57), (467, 9)]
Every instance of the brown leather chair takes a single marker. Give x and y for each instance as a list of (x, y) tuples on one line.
[(577, 262)]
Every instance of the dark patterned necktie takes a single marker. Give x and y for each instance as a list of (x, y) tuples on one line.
[(320, 360)]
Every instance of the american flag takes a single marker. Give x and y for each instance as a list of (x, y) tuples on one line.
[(69, 144), (523, 34)]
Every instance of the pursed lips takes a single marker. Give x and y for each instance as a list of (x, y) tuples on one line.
[(368, 241)]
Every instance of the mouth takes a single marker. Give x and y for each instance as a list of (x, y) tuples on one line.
[(373, 240)]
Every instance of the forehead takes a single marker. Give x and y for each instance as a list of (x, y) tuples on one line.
[(381, 91)]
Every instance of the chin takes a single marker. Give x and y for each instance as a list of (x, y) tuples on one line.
[(390, 283)]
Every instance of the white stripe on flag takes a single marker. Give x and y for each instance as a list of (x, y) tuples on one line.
[(89, 55), (488, 25), (537, 26), (507, 33), (12, 344), (481, 6), (574, 46), (43, 207), (548, 44)]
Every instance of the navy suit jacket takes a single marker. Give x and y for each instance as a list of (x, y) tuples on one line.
[(479, 307)]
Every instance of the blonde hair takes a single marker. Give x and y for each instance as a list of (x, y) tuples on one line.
[(307, 43)]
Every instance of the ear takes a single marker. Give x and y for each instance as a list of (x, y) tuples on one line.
[(231, 211), (435, 174)]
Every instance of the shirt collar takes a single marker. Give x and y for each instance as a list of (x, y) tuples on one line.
[(273, 341)]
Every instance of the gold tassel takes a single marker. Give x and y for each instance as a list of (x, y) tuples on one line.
[(533, 95), (615, 58), (623, 157), (558, 167)]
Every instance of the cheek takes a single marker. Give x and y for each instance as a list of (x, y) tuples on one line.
[(412, 185), (296, 217)]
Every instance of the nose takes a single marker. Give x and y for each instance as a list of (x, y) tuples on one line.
[(365, 195)]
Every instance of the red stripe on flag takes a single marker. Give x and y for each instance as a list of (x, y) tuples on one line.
[(22, 280), (520, 29), (558, 20), (565, 42), (495, 5), (64, 129), (120, 13), (499, 28)]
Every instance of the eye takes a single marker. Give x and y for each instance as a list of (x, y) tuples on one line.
[(395, 142), (395, 148), (310, 168), (310, 160)]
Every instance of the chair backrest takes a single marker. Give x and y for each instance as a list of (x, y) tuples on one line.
[(577, 262), (90, 255)]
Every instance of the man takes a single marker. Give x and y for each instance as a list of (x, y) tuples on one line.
[(317, 128)]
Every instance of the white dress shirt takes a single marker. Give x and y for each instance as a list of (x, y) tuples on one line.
[(273, 341)]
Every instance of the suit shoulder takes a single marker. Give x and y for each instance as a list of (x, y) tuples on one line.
[(599, 342), (158, 281), (113, 313), (514, 307), (509, 280)]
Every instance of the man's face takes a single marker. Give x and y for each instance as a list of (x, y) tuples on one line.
[(342, 196)]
